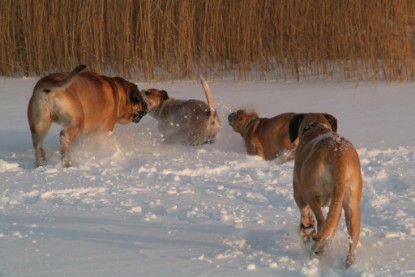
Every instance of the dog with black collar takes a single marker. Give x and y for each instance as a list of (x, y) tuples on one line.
[(327, 172)]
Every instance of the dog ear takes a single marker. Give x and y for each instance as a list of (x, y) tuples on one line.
[(164, 95), (254, 115), (294, 125), (136, 97), (332, 120), (134, 93)]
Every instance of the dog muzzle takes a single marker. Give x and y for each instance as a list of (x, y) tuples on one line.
[(231, 117), (138, 116), (144, 105)]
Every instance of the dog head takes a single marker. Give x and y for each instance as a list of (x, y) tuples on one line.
[(135, 106), (302, 122), (155, 98), (241, 119)]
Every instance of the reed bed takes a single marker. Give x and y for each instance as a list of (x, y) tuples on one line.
[(158, 40)]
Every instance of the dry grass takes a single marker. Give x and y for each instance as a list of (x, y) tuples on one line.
[(172, 39)]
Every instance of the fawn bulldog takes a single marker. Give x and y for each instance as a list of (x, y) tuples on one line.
[(189, 122), (265, 137), (81, 102), (327, 172)]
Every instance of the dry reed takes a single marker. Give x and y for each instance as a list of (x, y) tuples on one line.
[(174, 39)]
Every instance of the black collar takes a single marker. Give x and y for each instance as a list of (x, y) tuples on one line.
[(314, 125)]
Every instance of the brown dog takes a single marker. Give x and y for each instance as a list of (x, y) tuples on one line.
[(82, 103), (191, 122), (326, 173), (265, 137)]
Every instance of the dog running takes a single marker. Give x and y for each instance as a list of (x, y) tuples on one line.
[(327, 172), (265, 137)]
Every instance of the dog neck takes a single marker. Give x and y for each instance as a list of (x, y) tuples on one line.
[(313, 125), (247, 124), (161, 110)]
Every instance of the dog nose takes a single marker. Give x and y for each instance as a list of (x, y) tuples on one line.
[(231, 116)]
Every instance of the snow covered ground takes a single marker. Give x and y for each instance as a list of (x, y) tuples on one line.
[(132, 206)]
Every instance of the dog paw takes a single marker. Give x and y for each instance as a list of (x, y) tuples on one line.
[(41, 162), (41, 159), (318, 248), (66, 163), (350, 260), (307, 232)]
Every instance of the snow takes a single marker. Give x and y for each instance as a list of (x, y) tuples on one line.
[(133, 206)]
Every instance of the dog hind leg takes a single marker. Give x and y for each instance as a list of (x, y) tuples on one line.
[(67, 135), (319, 246), (38, 136), (307, 229), (39, 123), (352, 215)]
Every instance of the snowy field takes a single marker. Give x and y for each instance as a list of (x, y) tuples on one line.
[(132, 206)]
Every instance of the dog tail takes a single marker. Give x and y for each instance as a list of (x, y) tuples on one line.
[(64, 83), (209, 96), (335, 209), (73, 73)]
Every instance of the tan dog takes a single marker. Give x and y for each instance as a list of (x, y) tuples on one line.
[(326, 173), (191, 122), (82, 103), (265, 137)]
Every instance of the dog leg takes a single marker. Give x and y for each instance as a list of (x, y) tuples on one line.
[(320, 243), (352, 216), (317, 211), (67, 135), (39, 122), (64, 150), (256, 148), (320, 246), (39, 132), (37, 140), (307, 229)]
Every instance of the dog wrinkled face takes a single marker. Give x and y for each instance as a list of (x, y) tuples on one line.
[(134, 107), (238, 120)]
